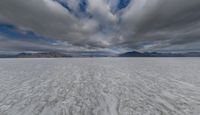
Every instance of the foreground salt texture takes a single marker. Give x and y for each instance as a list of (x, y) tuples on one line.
[(100, 86)]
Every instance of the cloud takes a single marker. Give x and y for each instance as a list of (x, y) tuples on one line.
[(155, 20), (45, 17), (108, 24)]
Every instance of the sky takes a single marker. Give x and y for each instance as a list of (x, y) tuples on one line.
[(99, 25)]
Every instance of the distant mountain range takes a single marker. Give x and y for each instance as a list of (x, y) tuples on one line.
[(156, 54), (57, 55), (33, 55), (98, 54)]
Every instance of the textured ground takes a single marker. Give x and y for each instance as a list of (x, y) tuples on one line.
[(100, 86)]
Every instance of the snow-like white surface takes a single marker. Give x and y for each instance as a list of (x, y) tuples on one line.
[(100, 86)]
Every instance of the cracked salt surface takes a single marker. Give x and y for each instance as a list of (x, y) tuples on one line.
[(100, 86)]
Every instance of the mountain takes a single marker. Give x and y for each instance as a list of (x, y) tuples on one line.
[(41, 55), (35, 55), (98, 54), (132, 54), (58, 55), (156, 54)]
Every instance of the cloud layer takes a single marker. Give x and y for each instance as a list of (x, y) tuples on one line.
[(145, 25)]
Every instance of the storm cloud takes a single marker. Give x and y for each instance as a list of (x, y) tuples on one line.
[(121, 25)]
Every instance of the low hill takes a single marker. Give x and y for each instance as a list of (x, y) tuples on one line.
[(156, 54)]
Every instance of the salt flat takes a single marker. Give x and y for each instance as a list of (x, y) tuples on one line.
[(100, 86)]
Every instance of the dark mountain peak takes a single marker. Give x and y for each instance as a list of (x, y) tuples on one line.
[(131, 54), (157, 54)]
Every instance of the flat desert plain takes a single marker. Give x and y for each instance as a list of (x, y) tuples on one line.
[(100, 86)]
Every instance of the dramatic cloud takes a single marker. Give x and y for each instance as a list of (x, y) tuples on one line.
[(120, 25)]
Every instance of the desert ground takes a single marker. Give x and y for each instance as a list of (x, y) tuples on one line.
[(100, 86)]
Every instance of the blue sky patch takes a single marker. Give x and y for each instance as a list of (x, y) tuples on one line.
[(123, 4), (83, 5), (64, 4), (12, 32)]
